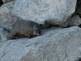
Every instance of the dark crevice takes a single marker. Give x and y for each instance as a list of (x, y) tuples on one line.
[(78, 8), (1, 2), (79, 59), (80, 25)]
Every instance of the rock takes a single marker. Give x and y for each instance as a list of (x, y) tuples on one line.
[(74, 21), (6, 19), (56, 45), (7, 7), (3, 34), (3, 37), (5, 12), (41, 10), (5, 1)]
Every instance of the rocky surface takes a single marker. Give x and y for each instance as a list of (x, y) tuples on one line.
[(56, 45), (5, 17), (41, 10), (7, 7)]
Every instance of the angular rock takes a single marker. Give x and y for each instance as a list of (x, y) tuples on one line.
[(42, 10), (3, 37), (56, 45), (7, 7), (6, 18)]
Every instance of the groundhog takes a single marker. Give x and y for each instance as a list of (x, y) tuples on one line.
[(23, 28), (16, 27)]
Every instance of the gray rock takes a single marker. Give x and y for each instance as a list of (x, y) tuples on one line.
[(41, 10), (6, 19), (3, 35), (7, 7), (55, 45)]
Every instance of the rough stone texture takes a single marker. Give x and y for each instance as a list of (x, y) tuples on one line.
[(41, 10), (5, 1), (6, 18), (57, 45), (7, 7)]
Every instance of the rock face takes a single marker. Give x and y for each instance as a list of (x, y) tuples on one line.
[(5, 19), (5, 14), (41, 10), (6, 8), (56, 45)]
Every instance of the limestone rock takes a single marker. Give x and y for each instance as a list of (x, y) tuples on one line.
[(6, 18), (7, 7), (56, 45), (41, 10)]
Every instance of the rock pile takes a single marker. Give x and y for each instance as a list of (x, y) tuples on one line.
[(55, 22)]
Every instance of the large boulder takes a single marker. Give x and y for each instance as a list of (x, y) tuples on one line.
[(7, 7), (56, 45), (6, 20), (41, 10)]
